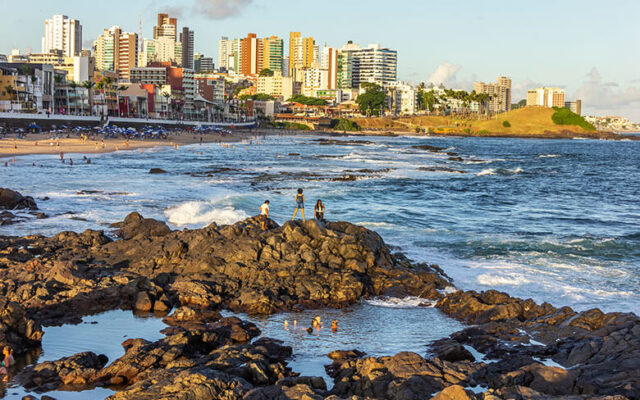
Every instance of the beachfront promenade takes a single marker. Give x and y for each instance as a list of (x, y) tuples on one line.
[(9, 119)]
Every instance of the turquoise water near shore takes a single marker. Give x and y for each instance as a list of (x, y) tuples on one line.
[(554, 220)]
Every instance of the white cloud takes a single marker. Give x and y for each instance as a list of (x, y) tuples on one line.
[(220, 9), (445, 73), (608, 98)]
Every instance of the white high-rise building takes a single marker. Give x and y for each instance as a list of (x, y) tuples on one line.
[(373, 64), (62, 33), (225, 53)]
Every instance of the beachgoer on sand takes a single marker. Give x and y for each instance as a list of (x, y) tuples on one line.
[(264, 214), (299, 205), (318, 212)]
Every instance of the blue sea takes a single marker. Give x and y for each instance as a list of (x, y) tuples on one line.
[(552, 220)]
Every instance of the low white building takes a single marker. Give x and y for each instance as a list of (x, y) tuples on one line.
[(402, 98)]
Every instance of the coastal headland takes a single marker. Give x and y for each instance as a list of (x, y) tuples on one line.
[(528, 122), (529, 350)]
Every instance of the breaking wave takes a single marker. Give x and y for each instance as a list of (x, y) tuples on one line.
[(203, 213)]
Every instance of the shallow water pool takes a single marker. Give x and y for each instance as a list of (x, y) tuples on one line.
[(102, 333), (377, 327)]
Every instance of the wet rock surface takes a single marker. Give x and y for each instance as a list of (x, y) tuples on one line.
[(513, 348), (12, 200)]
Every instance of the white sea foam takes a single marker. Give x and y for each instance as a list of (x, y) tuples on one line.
[(548, 362), (449, 290), (548, 155), (203, 213), (488, 279), (502, 171), (488, 171), (396, 302), (375, 224)]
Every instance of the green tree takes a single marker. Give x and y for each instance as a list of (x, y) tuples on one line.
[(344, 124), (309, 101), (564, 116), (266, 72), (89, 86), (372, 101), (428, 100)]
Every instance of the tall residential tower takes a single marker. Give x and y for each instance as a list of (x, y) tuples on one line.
[(62, 33)]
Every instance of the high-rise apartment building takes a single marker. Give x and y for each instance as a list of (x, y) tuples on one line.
[(225, 53), (167, 27), (62, 33), (116, 51), (163, 49), (329, 62), (574, 106), (202, 63), (302, 54), (546, 97), (272, 53), (499, 93), (251, 55), (358, 65), (187, 41)]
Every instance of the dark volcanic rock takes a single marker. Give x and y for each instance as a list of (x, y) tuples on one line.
[(77, 370), (59, 279), (8, 218), (157, 171), (17, 329), (135, 225), (12, 200), (427, 147), (404, 376)]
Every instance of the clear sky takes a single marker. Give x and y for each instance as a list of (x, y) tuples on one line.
[(589, 47)]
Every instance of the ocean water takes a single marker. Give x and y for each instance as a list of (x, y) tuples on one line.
[(552, 220)]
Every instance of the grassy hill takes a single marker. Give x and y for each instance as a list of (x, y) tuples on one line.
[(523, 122)]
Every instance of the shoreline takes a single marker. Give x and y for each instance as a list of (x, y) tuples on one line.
[(550, 135), (46, 145)]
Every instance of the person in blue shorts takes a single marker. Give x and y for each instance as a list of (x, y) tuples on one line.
[(299, 205)]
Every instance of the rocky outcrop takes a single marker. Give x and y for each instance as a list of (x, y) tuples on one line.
[(75, 371), (152, 269), (237, 266), (12, 200), (17, 330)]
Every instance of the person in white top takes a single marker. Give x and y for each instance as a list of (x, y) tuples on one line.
[(264, 214)]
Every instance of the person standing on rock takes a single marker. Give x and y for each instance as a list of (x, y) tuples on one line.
[(264, 214), (299, 205)]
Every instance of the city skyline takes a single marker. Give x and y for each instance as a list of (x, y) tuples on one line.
[(580, 49)]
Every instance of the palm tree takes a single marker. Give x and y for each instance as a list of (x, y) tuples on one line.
[(89, 86), (10, 91)]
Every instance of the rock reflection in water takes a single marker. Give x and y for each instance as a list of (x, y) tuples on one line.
[(102, 333)]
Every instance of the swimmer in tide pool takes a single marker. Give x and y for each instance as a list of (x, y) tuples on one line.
[(334, 325), (317, 322)]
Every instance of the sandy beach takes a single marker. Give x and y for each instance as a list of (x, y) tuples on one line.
[(44, 143)]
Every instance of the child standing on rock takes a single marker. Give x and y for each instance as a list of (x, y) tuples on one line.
[(264, 214), (299, 205)]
